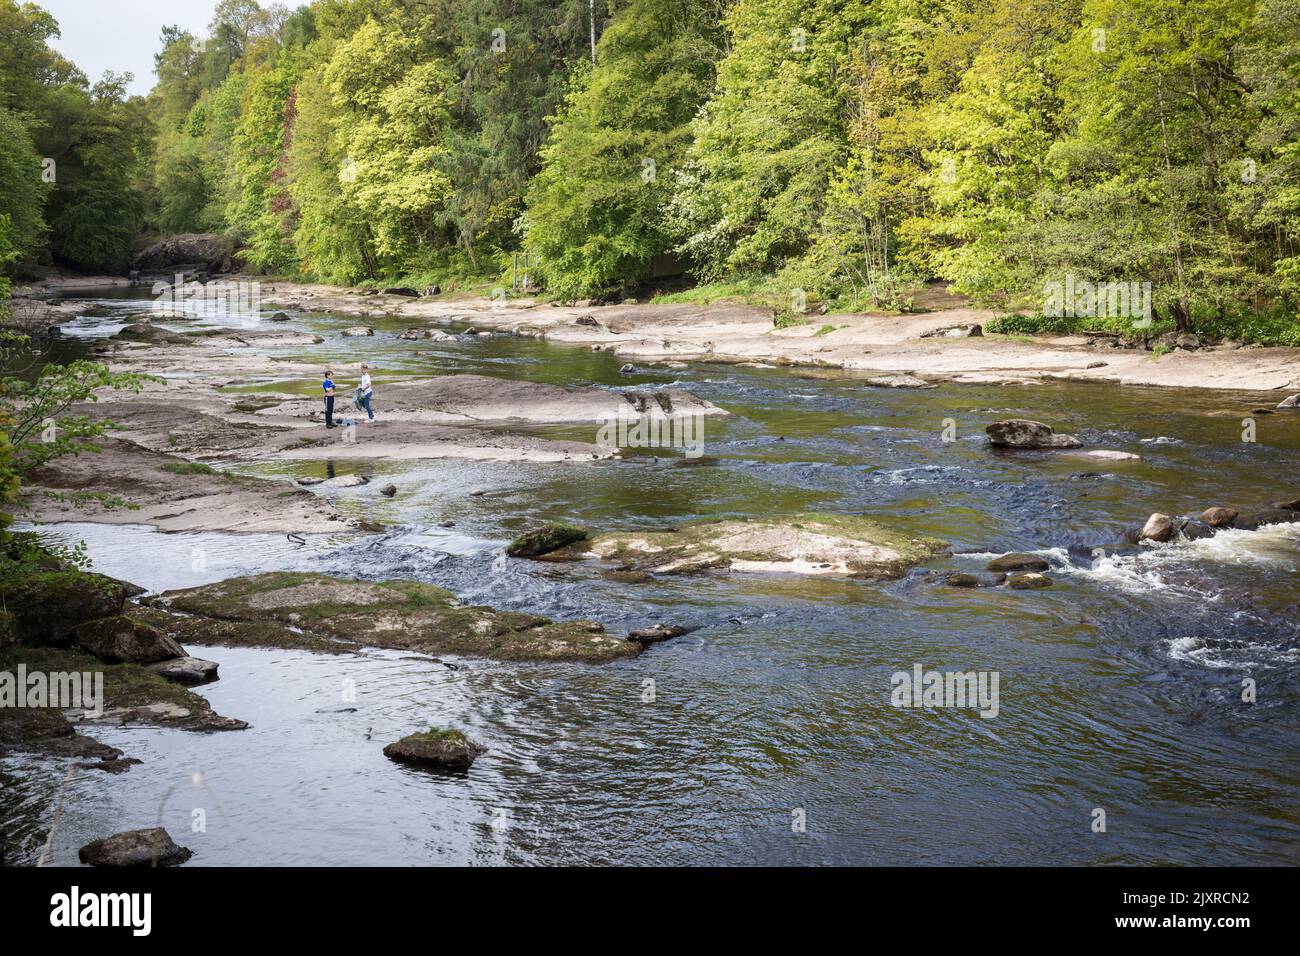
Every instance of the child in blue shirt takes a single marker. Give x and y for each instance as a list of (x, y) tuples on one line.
[(328, 386)]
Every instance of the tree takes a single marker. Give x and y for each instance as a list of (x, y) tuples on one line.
[(22, 188), (596, 209), (261, 209), (100, 142), (772, 136)]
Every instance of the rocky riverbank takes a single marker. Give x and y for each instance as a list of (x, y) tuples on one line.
[(922, 345), (163, 437), (932, 347), (63, 629)]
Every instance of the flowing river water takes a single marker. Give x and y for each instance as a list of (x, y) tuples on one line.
[(1120, 687)]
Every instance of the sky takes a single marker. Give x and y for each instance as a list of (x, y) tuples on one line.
[(122, 35)]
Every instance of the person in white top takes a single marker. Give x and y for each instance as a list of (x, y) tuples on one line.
[(367, 393)]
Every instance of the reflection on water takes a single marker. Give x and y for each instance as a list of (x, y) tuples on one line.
[(1120, 687)]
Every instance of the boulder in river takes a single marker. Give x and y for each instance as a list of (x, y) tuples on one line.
[(797, 544), (438, 747), (152, 335), (901, 380), (657, 633), (1029, 581), (1218, 517), (1244, 522), (1159, 527), (1292, 402), (1292, 504), (280, 317), (388, 490), (976, 579), (1193, 529), (1275, 516), (402, 290), (186, 670), (151, 847), (121, 640), (1025, 433), (1018, 561), (357, 331), (971, 330), (549, 537)]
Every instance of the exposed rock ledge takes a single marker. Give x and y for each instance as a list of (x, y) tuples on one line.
[(302, 610), (799, 544)]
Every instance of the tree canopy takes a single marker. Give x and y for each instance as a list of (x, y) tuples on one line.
[(853, 149)]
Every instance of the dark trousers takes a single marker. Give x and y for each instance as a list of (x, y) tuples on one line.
[(329, 411)]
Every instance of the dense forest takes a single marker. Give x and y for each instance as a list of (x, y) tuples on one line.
[(851, 149)]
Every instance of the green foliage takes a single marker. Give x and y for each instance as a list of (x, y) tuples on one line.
[(94, 138), (770, 139), (261, 210), (35, 424), (35, 413), (391, 107), (22, 190), (595, 211), (837, 150)]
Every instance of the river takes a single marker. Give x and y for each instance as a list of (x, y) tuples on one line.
[(766, 736)]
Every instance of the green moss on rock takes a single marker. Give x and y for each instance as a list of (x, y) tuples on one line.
[(549, 537), (132, 693), (310, 608), (47, 605), (439, 747)]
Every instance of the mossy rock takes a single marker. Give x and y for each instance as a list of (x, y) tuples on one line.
[(135, 848), (1029, 581), (132, 693), (1017, 561), (812, 544), (549, 537), (152, 335), (122, 640), (44, 730), (195, 630), (47, 605), (439, 747), (410, 615)]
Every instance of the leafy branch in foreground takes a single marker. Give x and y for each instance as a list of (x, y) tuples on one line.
[(34, 414)]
